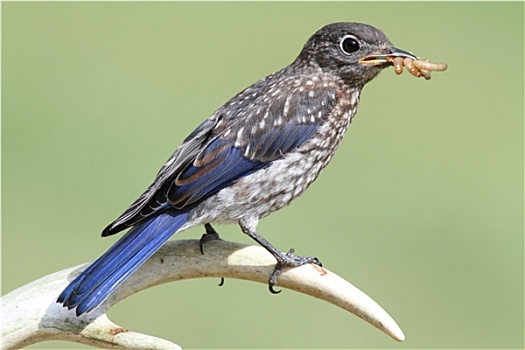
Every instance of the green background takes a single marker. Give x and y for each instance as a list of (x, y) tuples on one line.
[(421, 208)]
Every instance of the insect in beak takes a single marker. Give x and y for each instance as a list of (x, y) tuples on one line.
[(399, 59), (386, 59)]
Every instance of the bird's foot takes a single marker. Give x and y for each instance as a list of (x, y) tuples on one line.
[(210, 235), (291, 260), (283, 259)]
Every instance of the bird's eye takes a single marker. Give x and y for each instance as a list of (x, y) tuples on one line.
[(349, 44)]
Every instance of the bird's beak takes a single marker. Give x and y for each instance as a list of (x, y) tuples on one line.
[(385, 59)]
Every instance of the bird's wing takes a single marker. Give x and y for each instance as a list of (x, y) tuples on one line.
[(242, 137), (146, 204)]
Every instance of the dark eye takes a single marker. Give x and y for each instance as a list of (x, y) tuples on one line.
[(349, 44)]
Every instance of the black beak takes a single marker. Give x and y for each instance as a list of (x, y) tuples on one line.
[(385, 59)]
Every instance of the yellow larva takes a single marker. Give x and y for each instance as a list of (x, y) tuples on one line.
[(426, 65), (418, 68), (425, 73), (398, 65), (409, 64)]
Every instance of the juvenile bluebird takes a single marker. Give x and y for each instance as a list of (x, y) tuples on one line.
[(253, 156)]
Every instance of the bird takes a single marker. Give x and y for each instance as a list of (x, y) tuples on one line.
[(254, 155)]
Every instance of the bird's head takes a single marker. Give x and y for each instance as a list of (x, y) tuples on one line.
[(354, 52)]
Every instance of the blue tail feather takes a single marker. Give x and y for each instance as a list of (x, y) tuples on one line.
[(89, 289)]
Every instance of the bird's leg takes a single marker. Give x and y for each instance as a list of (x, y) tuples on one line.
[(210, 235), (283, 259)]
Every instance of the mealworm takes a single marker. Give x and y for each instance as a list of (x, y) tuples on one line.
[(418, 68), (409, 63), (398, 65), (425, 73), (430, 66)]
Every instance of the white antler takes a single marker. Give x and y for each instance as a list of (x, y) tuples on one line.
[(30, 313)]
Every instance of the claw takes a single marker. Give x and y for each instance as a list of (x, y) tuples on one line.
[(210, 235), (273, 279), (273, 291), (317, 262), (283, 259), (289, 260)]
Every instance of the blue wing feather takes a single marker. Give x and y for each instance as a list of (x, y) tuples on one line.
[(208, 175)]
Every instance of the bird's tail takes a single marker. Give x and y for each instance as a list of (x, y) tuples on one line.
[(103, 276)]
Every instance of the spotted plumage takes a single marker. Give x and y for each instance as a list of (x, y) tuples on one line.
[(253, 156)]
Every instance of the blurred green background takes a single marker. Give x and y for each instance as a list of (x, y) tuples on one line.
[(422, 207)]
